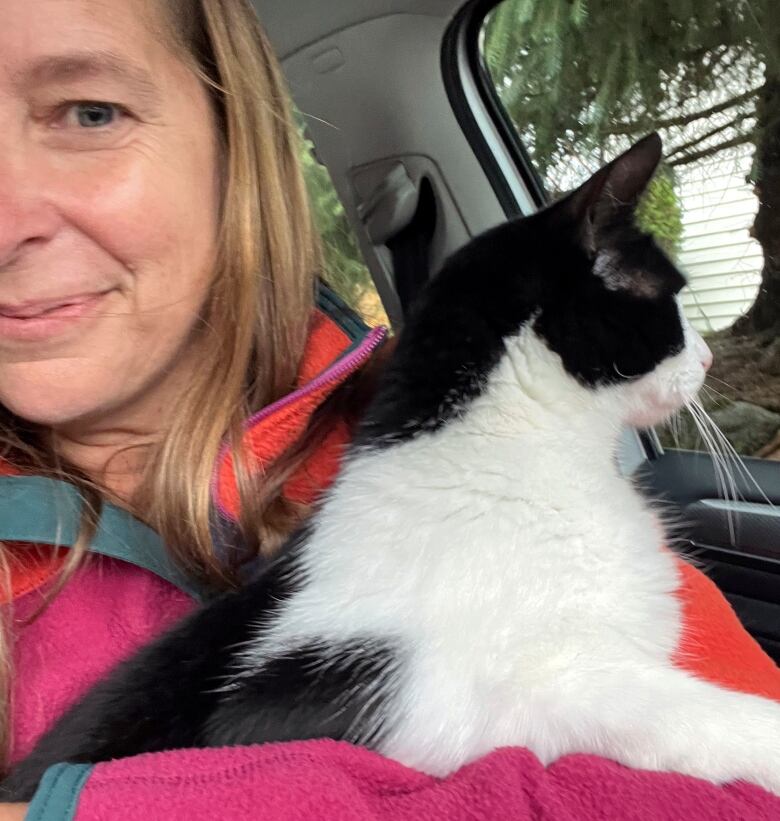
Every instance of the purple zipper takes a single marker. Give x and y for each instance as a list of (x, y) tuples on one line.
[(372, 340)]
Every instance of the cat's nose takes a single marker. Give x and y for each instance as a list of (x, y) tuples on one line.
[(697, 345)]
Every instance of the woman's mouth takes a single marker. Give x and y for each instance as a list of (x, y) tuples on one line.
[(37, 320)]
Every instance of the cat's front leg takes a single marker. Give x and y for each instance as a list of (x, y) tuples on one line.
[(665, 719)]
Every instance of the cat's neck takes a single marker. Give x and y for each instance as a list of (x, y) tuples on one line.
[(528, 447), (529, 421), (508, 449), (531, 406)]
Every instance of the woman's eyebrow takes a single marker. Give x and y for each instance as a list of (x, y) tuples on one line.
[(78, 65)]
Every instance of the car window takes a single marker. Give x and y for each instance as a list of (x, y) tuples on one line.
[(343, 266), (581, 81)]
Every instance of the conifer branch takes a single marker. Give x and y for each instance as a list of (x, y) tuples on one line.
[(630, 129), (714, 149), (684, 147)]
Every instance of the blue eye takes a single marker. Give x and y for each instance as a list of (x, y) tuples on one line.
[(95, 115)]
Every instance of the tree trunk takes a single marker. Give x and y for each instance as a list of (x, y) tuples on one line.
[(764, 316)]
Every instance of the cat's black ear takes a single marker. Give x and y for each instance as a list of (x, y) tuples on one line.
[(615, 189)]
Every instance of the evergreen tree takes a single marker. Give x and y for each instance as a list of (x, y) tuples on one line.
[(583, 78)]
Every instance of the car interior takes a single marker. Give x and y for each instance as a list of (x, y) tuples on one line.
[(400, 110)]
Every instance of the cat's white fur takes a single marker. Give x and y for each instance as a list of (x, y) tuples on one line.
[(526, 584)]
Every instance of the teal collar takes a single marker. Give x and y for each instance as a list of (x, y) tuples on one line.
[(45, 511)]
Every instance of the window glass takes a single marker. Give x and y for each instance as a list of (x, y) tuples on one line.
[(582, 80), (344, 269)]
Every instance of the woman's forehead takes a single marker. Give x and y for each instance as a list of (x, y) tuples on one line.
[(73, 65), (47, 41)]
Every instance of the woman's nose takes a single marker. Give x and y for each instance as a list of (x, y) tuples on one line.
[(26, 216)]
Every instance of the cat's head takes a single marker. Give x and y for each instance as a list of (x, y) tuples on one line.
[(614, 315), (579, 279), (604, 296)]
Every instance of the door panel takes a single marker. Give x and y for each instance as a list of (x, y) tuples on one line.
[(737, 543)]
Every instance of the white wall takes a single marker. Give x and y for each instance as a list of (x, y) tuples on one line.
[(722, 261)]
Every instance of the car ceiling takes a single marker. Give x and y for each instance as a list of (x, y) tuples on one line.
[(368, 78), (294, 25)]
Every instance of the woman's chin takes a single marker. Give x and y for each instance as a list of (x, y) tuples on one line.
[(39, 411), (49, 397)]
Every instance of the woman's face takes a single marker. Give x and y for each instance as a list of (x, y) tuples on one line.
[(108, 211)]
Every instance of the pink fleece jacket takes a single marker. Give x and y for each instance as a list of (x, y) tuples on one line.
[(111, 607)]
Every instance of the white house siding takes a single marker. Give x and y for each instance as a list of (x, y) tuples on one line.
[(722, 261)]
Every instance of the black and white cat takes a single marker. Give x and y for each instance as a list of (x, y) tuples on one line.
[(480, 574)]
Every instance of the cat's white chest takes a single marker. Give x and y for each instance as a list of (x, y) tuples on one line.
[(503, 649), (499, 606), (507, 667)]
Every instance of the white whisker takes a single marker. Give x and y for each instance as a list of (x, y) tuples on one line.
[(725, 480), (712, 391), (732, 453), (729, 465), (722, 382), (674, 427)]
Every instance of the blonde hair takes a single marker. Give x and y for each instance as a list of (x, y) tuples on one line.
[(255, 319)]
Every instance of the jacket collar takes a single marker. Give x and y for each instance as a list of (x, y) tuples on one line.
[(339, 344)]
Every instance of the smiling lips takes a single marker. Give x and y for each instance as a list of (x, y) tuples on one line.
[(44, 307), (40, 319)]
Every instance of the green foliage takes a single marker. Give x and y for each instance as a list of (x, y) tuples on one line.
[(343, 265), (660, 213), (577, 76)]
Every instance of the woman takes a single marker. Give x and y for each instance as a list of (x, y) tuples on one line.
[(135, 332), (157, 268)]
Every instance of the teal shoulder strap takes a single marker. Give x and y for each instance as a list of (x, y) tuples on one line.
[(46, 511)]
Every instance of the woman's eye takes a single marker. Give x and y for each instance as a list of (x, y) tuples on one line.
[(86, 124), (92, 115)]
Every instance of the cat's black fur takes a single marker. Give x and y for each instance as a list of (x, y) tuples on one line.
[(174, 694)]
